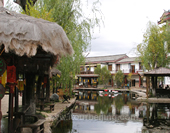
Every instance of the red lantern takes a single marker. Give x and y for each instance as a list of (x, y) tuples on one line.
[(11, 74)]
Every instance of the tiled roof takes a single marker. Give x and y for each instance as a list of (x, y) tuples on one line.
[(128, 60), (110, 58), (159, 72)]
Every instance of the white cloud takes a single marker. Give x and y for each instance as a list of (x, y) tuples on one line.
[(125, 22)]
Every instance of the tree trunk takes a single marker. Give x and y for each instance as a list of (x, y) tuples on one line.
[(30, 84)]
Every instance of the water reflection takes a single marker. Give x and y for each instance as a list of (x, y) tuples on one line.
[(63, 127), (107, 114), (157, 118), (103, 105), (118, 114)]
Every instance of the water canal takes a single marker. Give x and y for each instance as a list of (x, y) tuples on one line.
[(118, 114)]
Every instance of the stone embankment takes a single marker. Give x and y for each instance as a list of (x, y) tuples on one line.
[(53, 117)]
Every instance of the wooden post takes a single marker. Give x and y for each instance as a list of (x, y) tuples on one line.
[(156, 81), (30, 84), (48, 89), (24, 92), (16, 99), (10, 113), (39, 86), (53, 85), (139, 80), (147, 85)]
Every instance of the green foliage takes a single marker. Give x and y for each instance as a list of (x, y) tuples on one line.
[(129, 77), (119, 103), (104, 103), (154, 49), (78, 26), (119, 76), (104, 74)]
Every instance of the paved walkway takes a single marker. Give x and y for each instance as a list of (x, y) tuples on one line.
[(5, 103)]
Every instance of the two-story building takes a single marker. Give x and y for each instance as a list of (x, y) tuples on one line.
[(114, 63), (130, 65)]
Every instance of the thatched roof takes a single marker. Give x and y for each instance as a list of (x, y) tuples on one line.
[(158, 72), (24, 34)]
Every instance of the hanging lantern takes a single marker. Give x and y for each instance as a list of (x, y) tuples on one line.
[(3, 78), (21, 85), (11, 74)]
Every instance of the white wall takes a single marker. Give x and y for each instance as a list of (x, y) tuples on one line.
[(125, 68), (92, 69), (102, 65), (167, 80)]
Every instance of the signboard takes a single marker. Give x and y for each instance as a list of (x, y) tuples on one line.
[(2, 91), (2, 66)]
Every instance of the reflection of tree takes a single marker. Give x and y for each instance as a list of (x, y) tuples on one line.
[(63, 127), (104, 103), (119, 103)]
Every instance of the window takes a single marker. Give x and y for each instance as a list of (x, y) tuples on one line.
[(140, 66), (117, 67), (132, 69), (110, 67)]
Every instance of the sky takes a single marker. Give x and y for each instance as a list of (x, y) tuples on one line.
[(125, 22)]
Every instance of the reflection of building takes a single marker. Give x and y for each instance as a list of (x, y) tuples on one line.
[(113, 63), (128, 111)]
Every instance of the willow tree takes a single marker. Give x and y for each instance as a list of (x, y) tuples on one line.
[(153, 50), (78, 26)]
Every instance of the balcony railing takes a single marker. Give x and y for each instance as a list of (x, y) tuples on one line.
[(127, 70)]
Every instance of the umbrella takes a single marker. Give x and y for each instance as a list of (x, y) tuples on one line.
[(23, 34)]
